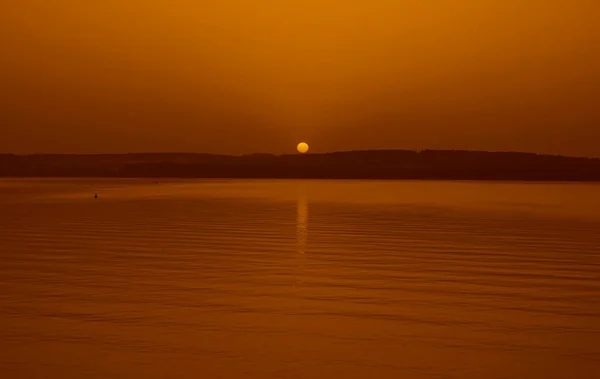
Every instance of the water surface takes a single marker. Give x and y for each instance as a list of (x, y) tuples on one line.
[(298, 279)]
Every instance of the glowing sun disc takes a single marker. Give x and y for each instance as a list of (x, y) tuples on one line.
[(302, 147)]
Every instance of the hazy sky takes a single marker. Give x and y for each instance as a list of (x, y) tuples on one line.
[(241, 76)]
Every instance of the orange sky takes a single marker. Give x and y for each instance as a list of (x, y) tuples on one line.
[(242, 76)]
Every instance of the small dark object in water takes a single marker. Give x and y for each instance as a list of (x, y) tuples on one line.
[(95, 196)]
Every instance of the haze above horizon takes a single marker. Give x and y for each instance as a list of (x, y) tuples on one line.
[(237, 77)]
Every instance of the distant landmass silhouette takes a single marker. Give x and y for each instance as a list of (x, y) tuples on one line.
[(368, 164)]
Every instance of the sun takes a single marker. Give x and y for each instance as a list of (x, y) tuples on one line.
[(302, 147)]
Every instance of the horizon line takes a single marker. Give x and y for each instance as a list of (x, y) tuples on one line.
[(308, 153)]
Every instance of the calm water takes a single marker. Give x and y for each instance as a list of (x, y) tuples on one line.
[(299, 279)]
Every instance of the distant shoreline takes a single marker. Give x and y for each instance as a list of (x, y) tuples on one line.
[(171, 178), (365, 165)]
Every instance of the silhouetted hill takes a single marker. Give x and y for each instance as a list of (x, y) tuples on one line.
[(371, 164)]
